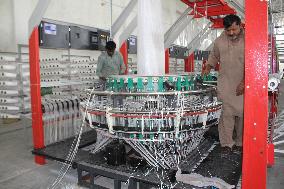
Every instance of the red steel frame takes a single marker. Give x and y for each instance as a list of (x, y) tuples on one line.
[(256, 96), (167, 61), (189, 63), (209, 9), (37, 123), (123, 50)]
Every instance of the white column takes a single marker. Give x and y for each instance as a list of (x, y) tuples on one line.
[(151, 54)]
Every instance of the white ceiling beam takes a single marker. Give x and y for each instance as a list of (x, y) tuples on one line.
[(37, 15), (174, 31), (122, 17), (128, 31)]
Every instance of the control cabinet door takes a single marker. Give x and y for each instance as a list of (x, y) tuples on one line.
[(53, 35), (79, 38)]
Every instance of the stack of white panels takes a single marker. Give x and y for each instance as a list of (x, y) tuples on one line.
[(14, 88)]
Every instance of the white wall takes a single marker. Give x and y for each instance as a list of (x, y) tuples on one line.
[(14, 14), (22, 12), (7, 37)]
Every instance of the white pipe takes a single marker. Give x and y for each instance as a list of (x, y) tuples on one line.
[(279, 151), (278, 142), (278, 136)]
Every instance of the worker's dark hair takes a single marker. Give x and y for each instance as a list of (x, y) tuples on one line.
[(110, 45), (230, 19)]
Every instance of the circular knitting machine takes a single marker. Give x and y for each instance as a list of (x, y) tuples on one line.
[(162, 118)]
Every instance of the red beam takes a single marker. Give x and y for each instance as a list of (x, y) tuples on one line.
[(167, 61), (270, 155), (202, 3), (209, 8), (124, 53), (223, 2), (256, 96), (189, 63), (37, 123), (216, 11), (217, 22), (220, 12)]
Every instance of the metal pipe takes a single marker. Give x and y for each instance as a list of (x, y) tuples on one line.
[(123, 16)]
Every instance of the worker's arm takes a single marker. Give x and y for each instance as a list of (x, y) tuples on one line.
[(213, 59), (100, 66), (122, 65)]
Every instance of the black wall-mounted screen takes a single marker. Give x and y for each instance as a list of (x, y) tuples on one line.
[(53, 35)]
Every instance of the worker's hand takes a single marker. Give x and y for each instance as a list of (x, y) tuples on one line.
[(206, 71), (240, 88), (103, 78)]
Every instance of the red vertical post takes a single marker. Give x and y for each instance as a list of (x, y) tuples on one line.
[(189, 63), (256, 96), (123, 50), (167, 61), (37, 123)]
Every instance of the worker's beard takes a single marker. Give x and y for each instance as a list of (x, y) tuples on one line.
[(233, 37)]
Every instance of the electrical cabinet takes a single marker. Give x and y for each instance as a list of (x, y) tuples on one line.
[(53, 35), (178, 52), (70, 36), (201, 55)]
